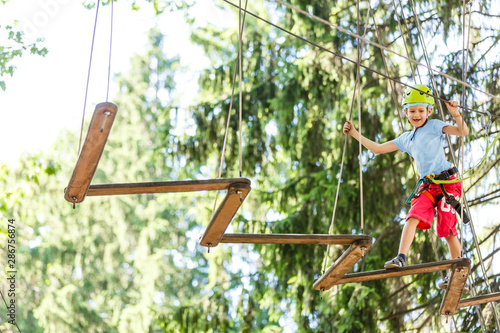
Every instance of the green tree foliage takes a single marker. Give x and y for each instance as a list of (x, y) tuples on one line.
[(15, 47), (295, 100), (114, 264), (131, 264)]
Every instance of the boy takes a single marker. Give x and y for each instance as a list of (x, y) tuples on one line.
[(424, 144)]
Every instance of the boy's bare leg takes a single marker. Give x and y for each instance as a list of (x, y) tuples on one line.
[(455, 252), (406, 240), (408, 234), (454, 246)]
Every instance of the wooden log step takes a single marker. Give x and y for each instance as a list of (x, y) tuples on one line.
[(493, 297), (165, 187), (317, 239), (93, 146), (395, 272), (458, 278), (344, 263), (235, 196)]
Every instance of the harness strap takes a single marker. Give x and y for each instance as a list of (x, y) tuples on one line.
[(450, 199), (431, 198)]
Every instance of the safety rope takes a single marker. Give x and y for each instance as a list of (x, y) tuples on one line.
[(362, 66), (88, 75)]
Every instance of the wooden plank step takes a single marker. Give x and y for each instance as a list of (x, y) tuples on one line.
[(317, 239), (493, 297), (93, 146), (458, 278), (344, 263), (165, 187), (395, 272), (235, 196)]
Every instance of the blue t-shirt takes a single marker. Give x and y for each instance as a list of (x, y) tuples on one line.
[(425, 145)]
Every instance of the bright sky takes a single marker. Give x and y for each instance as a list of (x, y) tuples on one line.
[(46, 94)]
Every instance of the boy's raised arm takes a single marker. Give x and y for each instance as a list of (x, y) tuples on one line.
[(461, 129), (374, 147)]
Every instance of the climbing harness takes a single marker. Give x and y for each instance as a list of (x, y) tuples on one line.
[(449, 198)]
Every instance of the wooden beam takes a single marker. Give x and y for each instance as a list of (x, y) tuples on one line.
[(458, 278), (494, 297), (235, 196), (93, 146), (344, 263), (317, 239), (165, 187), (395, 272)]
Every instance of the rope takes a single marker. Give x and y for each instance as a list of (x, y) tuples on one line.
[(354, 62), (240, 30), (330, 229), (404, 40), (420, 35), (393, 89), (412, 49), (110, 48), (88, 75), (241, 92), (380, 46), (358, 79), (465, 52)]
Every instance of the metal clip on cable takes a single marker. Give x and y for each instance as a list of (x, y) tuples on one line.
[(487, 126)]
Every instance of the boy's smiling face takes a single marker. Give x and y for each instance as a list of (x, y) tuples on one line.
[(417, 114)]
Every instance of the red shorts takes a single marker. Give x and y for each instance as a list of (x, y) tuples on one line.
[(423, 209)]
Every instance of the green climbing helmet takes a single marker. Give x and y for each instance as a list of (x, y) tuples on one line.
[(413, 96)]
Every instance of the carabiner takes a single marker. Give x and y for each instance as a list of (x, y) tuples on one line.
[(487, 126)]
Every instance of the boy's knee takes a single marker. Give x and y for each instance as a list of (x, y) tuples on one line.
[(450, 237), (413, 221)]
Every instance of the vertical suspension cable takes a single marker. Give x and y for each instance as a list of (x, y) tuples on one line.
[(404, 40), (431, 73), (241, 93), (391, 83), (88, 75), (462, 143), (358, 74), (463, 102), (110, 48), (240, 31)]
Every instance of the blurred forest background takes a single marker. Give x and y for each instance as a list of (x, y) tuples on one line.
[(133, 263)]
